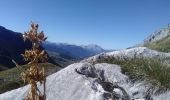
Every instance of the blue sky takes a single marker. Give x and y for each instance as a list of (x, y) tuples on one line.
[(112, 24)]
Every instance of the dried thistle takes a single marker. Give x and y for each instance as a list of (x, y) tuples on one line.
[(34, 74)]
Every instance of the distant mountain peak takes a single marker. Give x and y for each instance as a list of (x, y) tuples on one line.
[(91, 46), (74, 51)]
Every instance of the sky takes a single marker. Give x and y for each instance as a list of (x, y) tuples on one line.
[(112, 24)]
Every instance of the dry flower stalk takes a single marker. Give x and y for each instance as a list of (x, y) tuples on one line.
[(34, 74)]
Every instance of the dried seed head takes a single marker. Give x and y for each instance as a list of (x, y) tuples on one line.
[(33, 74)]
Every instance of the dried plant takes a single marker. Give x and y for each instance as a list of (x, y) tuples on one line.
[(34, 73)]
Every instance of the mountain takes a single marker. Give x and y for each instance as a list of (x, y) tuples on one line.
[(12, 46), (158, 35), (73, 51), (85, 81), (95, 49), (159, 40)]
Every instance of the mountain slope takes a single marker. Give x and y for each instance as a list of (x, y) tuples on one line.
[(162, 45), (66, 54), (158, 35), (159, 40), (12, 46), (73, 51), (10, 79), (95, 49)]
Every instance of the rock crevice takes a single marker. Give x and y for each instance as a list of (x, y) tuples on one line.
[(100, 80)]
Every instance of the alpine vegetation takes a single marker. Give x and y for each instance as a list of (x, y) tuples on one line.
[(34, 74), (140, 64)]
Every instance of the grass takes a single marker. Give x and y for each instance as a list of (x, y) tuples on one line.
[(10, 79), (162, 45), (148, 69)]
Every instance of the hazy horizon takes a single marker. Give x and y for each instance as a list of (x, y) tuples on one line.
[(111, 24)]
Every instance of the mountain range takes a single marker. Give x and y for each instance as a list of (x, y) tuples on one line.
[(12, 46), (69, 52), (136, 73)]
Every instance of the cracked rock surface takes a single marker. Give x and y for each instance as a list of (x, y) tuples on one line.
[(84, 81)]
